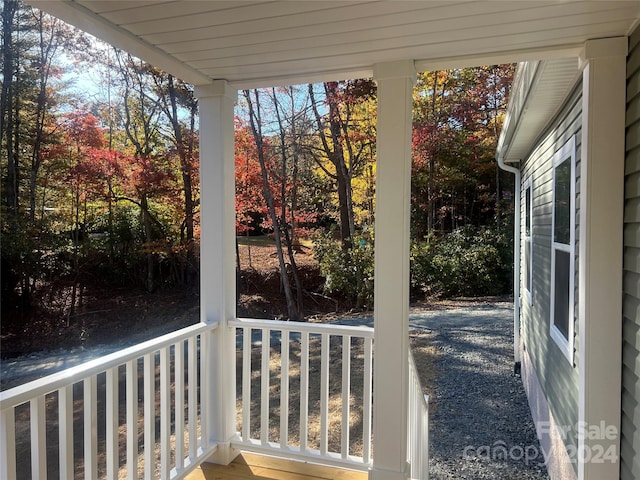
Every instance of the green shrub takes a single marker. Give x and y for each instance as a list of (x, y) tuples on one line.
[(468, 261), (347, 272)]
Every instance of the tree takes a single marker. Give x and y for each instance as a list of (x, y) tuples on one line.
[(85, 138), (294, 309), (10, 199), (335, 132), (457, 115), (176, 97), (31, 54), (248, 180), (149, 173)]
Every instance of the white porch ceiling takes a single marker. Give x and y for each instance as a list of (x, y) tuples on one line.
[(264, 43)]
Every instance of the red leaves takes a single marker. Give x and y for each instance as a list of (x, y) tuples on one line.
[(83, 130), (249, 197)]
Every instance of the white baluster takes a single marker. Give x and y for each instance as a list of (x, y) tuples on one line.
[(111, 410), (149, 416), (90, 403), (366, 400), (324, 395), (264, 387), (179, 404), (246, 384), (132, 419), (38, 439), (65, 432), (304, 390), (346, 394), (165, 414), (8, 444), (284, 389), (192, 392)]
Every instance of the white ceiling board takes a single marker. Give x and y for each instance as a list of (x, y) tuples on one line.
[(170, 9), (106, 6), (233, 18), (422, 25), (343, 14), (326, 30), (397, 38), (249, 41)]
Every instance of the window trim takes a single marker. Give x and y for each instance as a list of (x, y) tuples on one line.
[(528, 292), (566, 344)]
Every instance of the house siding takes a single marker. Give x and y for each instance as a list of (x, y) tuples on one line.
[(557, 377), (630, 422)]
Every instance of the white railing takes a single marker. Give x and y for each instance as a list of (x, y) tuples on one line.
[(305, 391), (418, 428), (100, 419)]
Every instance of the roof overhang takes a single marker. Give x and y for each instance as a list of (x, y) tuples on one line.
[(538, 92), (267, 43)]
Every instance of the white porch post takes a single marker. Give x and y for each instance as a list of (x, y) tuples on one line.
[(391, 312), (217, 270), (600, 254)]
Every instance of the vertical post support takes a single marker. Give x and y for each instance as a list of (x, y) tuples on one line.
[(391, 312), (600, 256), (217, 270)]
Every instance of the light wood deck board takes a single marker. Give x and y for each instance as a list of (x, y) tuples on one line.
[(260, 467)]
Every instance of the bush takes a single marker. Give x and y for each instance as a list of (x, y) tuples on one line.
[(468, 261), (347, 272)]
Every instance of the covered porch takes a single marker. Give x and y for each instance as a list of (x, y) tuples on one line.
[(187, 396)]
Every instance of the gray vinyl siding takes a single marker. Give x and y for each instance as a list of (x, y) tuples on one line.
[(630, 424), (558, 377)]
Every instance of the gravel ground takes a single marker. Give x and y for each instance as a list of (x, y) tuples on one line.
[(481, 427)]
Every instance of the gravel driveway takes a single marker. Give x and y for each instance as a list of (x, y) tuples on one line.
[(481, 427)]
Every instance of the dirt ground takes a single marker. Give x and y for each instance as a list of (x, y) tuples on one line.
[(132, 316)]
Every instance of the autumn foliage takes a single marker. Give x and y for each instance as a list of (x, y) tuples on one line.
[(103, 190)]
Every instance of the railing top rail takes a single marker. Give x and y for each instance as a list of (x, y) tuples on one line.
[(331, 329), (413, 371), (23, 393)]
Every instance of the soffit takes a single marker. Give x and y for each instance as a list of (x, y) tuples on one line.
[(539, 91), (261, 43)]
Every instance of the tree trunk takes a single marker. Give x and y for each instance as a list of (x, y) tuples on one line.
[(431, 211), (256, 128), (47, 48), (335, 154), (7, 125), (146, 222), (283, 220), (185, 166)]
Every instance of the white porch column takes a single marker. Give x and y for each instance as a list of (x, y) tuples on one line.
[(600, 254), (217, 269), (391, 311)]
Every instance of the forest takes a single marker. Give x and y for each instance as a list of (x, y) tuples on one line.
[(100, 186)]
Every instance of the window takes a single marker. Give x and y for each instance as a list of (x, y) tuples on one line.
[(563, 225), (528, 243)]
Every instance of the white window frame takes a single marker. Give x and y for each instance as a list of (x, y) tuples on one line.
[(528, 292), (566, 345)]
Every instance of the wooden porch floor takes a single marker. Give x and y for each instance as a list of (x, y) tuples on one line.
[(253, 466)]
